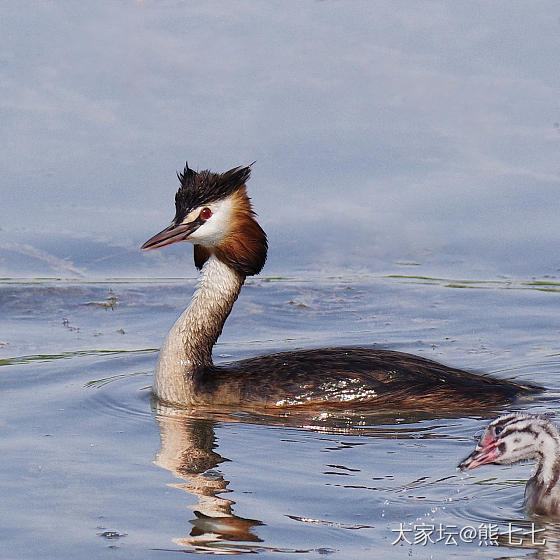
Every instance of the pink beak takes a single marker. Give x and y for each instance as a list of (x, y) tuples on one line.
[(486, 452)]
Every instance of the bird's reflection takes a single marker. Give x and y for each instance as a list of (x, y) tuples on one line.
[(187, 450), (188, 443)]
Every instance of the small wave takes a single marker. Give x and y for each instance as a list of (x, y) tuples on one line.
[(33, 358)]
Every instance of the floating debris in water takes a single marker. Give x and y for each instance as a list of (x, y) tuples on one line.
[(66, 323), (112, 534), (109, 303)]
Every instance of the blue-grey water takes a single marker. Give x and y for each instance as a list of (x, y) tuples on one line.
[(407, 175), (92, 468)]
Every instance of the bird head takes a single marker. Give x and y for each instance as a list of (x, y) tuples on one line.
[(509, 439), (213, 211)]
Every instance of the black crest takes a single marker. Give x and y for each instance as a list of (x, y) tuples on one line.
[(203, 187)]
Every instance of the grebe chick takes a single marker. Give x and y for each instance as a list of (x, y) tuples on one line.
[(519, 437), (214, 213)]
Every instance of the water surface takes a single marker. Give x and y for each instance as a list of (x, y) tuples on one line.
[(93, 467)]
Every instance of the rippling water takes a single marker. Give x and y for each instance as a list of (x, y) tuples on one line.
[(405, 140), (93, 466)]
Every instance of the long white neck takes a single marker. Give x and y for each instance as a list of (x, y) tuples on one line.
[(187, 350), (542, 493), (548, 468)]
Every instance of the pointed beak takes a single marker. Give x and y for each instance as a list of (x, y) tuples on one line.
[(170, 235), (480, 456)]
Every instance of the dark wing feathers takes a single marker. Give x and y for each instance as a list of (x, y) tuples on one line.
[(360, 377)]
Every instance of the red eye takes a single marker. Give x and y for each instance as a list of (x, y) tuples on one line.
[(205, 213)]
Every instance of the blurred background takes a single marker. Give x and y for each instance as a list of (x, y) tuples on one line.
[(412, 137)]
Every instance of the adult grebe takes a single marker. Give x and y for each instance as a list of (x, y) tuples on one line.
[(519, 437), (214, 213)]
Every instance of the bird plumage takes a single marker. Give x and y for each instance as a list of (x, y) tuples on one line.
[(200, 188), (521, 437), (214, 213)]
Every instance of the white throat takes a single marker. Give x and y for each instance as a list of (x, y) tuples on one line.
[(187, 350)]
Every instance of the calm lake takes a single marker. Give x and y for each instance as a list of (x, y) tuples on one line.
[(93, 468), (407, 176)]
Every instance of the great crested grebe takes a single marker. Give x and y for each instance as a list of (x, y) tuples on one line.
[(214, 213), (520, 437)]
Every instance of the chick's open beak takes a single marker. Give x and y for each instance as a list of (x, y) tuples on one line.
[(480, 456), (170, 235)]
